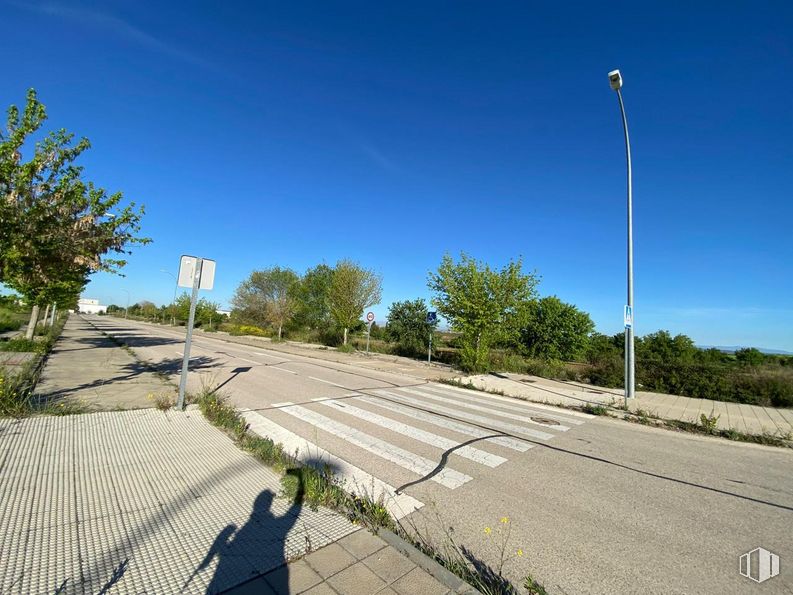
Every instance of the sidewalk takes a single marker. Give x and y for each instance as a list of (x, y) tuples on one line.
[(163, 502), (88, 368), (750, 419), (134, 501)]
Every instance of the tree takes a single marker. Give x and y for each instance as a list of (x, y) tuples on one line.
[(407, 326), (555, 330), (55, 228), (311, 294), (352, 289), (145, 308), (268, 296), (662, 347), (749, 356), (205, 311), (484, 305)]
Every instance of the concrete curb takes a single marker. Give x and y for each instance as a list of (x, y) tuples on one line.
[(438, 572)]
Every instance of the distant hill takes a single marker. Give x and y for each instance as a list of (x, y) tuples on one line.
[(734, 348)]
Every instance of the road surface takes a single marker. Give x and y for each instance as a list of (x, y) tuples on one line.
[(596, 505)]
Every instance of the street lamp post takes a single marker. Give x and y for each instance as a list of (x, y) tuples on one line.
[(615, 79), (175, 289)]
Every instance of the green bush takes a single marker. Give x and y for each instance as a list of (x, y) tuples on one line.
[(21, 345), (8, 324), (14, 394), (246, 329)]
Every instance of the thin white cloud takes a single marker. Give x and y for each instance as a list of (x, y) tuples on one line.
[(378, 157), (108, 23)]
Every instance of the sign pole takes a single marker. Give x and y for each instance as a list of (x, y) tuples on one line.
[(368, 332), (189, 338), (429, 351)]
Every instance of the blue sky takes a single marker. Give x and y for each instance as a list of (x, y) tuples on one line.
[(294, 133)]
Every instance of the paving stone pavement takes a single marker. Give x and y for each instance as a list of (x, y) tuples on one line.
[(146, 501), (751, 419), (86, 367)]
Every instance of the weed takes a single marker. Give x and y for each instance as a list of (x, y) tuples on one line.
[(709, 423), (15, 393), (595, 409), (461, 561), (346, 348), (533, 587), (64, 408), (644, 417), (162, 400), (22, 345), (321, 487)]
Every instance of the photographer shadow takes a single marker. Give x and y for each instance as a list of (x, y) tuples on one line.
[(262, 539)]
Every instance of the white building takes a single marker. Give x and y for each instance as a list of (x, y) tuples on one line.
[(89, 306)]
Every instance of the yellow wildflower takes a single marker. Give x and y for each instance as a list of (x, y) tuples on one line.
[(488, 530), (504, 520), (520, 553)]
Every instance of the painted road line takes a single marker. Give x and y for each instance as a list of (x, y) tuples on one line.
[(250, 361), (471, 417), (507, 403), (284, 404), (283, 359), (354, 479), (328, 382), (405, 459), (467, 452), (522, 418), (442, 422), (274, 367)]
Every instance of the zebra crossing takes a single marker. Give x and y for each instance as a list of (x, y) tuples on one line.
[(381, 438)]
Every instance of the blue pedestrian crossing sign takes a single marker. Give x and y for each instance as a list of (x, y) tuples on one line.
[(432, 317), (628, 317)]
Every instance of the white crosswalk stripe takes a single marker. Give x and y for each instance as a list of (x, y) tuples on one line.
[(355, 480), (470, 417), (442, 422), (525, 418), (412, 462), (509, 403), (468, 452)]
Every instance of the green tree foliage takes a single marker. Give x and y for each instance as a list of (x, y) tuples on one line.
[(662, 346), (407, 326), (205, 311), (485, 305), (145, 308), (312, 292), (55, 228), (352, 289), (749, 356), (269, 297), (555, 330)]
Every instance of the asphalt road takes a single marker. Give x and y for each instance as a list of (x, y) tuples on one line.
[(596, 505)]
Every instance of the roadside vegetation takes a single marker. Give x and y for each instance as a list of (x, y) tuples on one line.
[(318, 486), (497, 322), (18, 382)]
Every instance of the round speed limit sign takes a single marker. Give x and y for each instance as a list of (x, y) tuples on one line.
[(370, 317)]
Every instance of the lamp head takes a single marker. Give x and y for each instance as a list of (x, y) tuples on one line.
[(615, 79)]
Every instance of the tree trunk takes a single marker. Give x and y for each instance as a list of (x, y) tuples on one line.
[(279, 332), (46, 314), (34, 318), (345, 335)]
